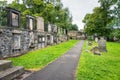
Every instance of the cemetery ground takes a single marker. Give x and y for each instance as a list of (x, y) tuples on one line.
[(100, 67), (35, 60), (91, 67)]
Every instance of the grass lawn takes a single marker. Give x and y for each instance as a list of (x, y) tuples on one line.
[(104, 67), (39, 58)]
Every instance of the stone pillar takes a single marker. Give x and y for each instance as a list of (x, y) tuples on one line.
[(102, 45), (40, 24)]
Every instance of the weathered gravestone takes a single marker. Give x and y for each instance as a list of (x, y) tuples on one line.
[(41, 34), (17, 42), (102, 45), (55, 29), (52, 38), (96, 39), (30, 22), (13, 17), (40, 24), (49, 28), (96, 50), (14, 21), (30, 26), (41, 41), (89, 43)]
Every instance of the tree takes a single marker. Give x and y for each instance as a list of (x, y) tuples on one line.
[(95, 23), (51, 10), (73, 27), (3, 13), (98, 22)]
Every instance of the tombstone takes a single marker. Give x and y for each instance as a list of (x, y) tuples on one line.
[(52, 39), (16, 46), (49, 28), (64, 31), (89, 43), (96, 50), (13, 17), (59, 30), (54, 28), (41, 41), (17, 42), (48, 39), (102, 45), (96, 39), (30, 22), (32, 40), (40, 24)]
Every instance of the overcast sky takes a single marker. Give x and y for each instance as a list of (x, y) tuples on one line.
[(79, 8)]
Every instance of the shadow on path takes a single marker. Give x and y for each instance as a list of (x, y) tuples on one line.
[(61, 69)]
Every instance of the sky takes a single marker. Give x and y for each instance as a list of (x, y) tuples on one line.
[(79, 8)]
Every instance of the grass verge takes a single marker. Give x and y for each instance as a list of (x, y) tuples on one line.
[(104, 67), (39, 58)]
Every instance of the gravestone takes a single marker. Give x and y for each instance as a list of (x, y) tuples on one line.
[(17, 42), (32, 40), (96, 39), (39, 41), (48, 39), (96, 50), (40, 24), (89, 43), (30, 22), (54, 28), (58, 30), (49, 28), (65, 31), (52, 38), (43, 42), (102, 45), (13, 17)]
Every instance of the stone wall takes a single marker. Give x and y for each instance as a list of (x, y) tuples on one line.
[(15, 42), (6, 42)]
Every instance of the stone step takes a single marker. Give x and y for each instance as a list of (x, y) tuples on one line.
[(5, 64), (11, 73)]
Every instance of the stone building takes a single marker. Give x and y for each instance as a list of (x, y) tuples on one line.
[(76, 35)]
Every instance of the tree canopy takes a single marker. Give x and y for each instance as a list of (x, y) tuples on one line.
[(103, 18), (51, 10)]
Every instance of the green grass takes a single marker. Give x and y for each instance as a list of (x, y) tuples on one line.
[(39, 58), (104, 67)]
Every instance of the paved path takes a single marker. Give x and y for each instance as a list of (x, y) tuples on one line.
[(63, 68)]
